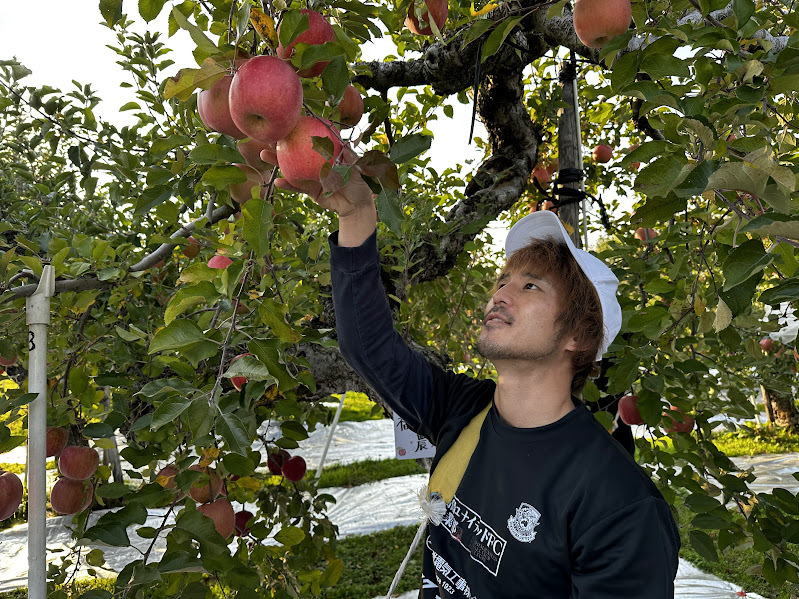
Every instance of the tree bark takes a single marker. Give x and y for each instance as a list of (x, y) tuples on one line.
[(780, 409)]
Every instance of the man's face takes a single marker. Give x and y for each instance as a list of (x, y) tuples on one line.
[(520, 320)]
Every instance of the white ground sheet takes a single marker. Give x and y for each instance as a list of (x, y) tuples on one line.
[(371, 507)]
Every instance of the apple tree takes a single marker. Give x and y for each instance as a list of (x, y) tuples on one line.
[(177, 248)]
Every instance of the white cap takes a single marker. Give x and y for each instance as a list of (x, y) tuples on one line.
[(544, 224)]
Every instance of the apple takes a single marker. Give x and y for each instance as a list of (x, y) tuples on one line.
[(78, 463), (9, 361), (10, 494), (552, 167), (166, 477), (57, 438), (207, 488), (242, 519), (543, 177), (275, 461), (299, 162), (319, 31), (214, 108), (193, 249), (221, 512), (436, 8), (266, 99), (70, 496), (645, 234), (241, 192), (596, 22), (262, 157), (294, 468), (350, 109), (767, 345), (220, 262), (628, 410), (238, 381), (602, 153), (686, 426), (634, 165)]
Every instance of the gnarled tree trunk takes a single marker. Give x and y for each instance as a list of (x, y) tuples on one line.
[(780, 408)]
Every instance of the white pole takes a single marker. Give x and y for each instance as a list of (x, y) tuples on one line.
[(580, 153), (330, 436), (37, 312)]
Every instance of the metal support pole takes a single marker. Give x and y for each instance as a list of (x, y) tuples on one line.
[(570, 142), (37, 312), (576, 98), (330, 436)]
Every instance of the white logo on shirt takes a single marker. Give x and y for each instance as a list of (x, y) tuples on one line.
[(522, 524)]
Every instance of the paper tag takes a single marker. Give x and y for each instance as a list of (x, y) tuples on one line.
[(408, 444)]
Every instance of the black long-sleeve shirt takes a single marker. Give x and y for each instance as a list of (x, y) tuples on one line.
[(553, 512)]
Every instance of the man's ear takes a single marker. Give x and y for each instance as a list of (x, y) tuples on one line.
[(571, 343)]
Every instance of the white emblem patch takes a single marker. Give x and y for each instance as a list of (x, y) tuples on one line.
[(522, 524)]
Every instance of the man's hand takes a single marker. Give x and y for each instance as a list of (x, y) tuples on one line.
[(353, 203)]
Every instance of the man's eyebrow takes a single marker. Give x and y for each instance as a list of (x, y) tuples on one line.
[(526, 274)]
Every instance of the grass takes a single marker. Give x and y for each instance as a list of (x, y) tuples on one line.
[(358, 473), (358, 407), (756, 440)]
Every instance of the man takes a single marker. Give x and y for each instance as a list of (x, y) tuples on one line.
[(549, 506)]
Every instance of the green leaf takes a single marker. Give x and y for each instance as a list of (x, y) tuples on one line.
[(111, 10), (336, 78), (112, 490), (180, 561), (744, 261), (213, 153), (784, 292), (739, 298), (478, 28), (273, 315), (98, 430), (162, 145), (409, 147), (293, 24), (150, 9), (699, 503), (152, 197), (252, 368), (659, 177), (604, 418), (744, 9), (256, 224), (205, 45), (657, 210), (178, 334), (185, 297), (703, 545), (332, 573), (232, 430), (495, 40), (219, 177), (319, 53), (772, 223), (624, 71), (290, 535), (390, 211), (168, 411), (294, 430)]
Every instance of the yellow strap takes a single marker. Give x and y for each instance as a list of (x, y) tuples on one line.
[(450, 469)]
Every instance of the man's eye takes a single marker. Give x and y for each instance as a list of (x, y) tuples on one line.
[(531, 286)]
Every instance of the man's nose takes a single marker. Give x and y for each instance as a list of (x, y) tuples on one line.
[(501, 295)]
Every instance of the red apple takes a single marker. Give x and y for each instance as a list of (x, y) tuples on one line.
[(299, 162), (262, 157), (350, 109), (214, 108), (220, 262), (265, 99), (241, 192), (206, 490), (10, 494), (436, 8), (9, 361), (294, 468), (767, 345), (221, 512), (238, 381), (166, 477), (78, 463), (602, 153), (645, 234), (242, 519), (275, 461), (686, 426), (319, 31), (57, 438), (542, 176), (596, 22), (70, 496), (193, 249), (552, 167), (628, 410)]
